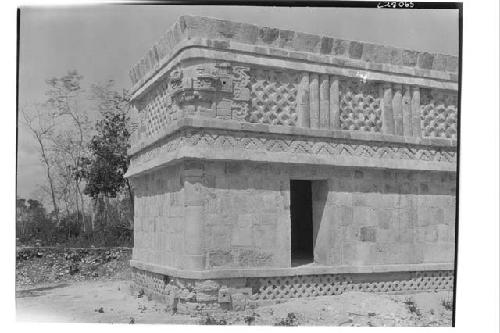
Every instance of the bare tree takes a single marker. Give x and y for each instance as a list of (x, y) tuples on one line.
[(70, 144), (41, 126)]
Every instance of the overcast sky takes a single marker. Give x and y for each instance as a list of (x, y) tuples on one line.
[(103, 42)]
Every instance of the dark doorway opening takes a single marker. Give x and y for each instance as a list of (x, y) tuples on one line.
[(301, 222)]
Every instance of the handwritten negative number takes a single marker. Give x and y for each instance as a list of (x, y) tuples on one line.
[(394, 4)]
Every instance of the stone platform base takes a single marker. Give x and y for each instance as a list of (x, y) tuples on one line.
[(192, 295)]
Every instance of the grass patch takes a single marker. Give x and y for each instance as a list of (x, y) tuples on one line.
[(447, 304), (209, 320), (412, 307)]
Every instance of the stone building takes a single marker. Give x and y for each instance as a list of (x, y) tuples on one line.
[(271, 164)]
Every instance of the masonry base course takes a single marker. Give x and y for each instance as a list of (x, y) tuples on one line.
[(187, 296)]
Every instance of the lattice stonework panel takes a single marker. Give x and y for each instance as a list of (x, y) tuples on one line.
[(360, 106), (285, 287), (335, 284), (297, 286), (157, 284), (157, 109), (273, 97), (438, 114)]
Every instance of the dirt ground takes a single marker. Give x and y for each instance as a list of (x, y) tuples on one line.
[(110, 301), (93, 286)]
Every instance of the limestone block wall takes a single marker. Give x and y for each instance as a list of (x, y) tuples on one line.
[(362, 217), (247, 217), (159, 217), (384, 217)]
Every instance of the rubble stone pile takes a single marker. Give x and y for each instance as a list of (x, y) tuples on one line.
[(37, 265)]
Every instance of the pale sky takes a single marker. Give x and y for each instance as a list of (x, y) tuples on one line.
[(103, 42)]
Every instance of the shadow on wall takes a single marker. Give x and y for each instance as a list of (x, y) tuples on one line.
[(270, 177)]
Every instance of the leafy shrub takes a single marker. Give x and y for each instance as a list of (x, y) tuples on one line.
[(290, 320), (412, 307)]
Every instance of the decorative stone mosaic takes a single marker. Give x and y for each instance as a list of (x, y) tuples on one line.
[(223, 91), (155, 283), (336, 284), (438, 114), (360, 106), (299, 286), (274, 97), (316, 146), (157, 108)]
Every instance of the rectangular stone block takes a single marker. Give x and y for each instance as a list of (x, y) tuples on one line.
[(397, 109), (335, 257), (224, 296), (390, 235), (437, 215), (220, 258), (343, 215), (193, 230), (423, 218), (306, 42), (366, 185), (368, 234), (375, 200), (239, 302), (341, 184), (451, 230), (243, 232), (402, 253), (356, 253), (425, 60), (449, 216), (324, 102), (431, 234), (351, 233), (265, 236), (359, 200), (407, 219), (314, 105), (407, 115), (268, 219), (340, 198), (193, 262), (364, 216), (334, 103), (355, 50), (438, 252), (415, 111), (218, 236), (386, 218), (303, 101), (443, 232)]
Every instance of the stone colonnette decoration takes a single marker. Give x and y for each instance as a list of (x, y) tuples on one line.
[(229, 115)]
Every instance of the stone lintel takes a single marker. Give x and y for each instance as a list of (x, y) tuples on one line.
[(273, 272)]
